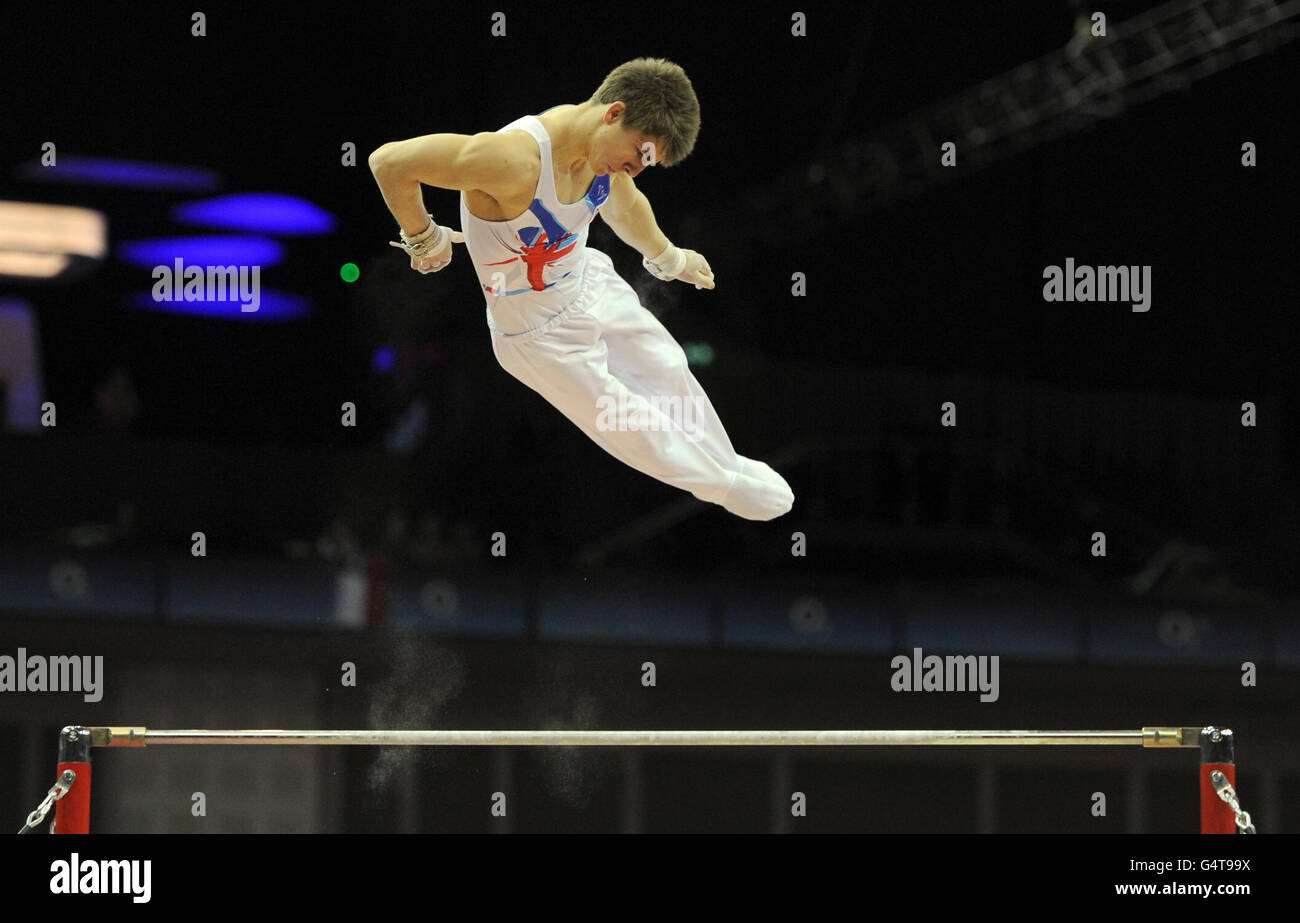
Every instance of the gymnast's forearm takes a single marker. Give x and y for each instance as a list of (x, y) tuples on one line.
[(637, 228), (404, 199)]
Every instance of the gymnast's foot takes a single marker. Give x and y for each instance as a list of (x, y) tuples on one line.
[(759, 498)]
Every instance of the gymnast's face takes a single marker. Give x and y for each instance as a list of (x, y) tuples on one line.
[(618, 149)]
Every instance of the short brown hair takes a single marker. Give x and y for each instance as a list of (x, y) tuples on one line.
[(660, 102)]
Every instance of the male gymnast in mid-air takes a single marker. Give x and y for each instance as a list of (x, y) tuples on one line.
[(562, 320)]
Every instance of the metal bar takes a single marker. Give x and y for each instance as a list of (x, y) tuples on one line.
[(1146, 737)]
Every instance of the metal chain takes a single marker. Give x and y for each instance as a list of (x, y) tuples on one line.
[(1227, 793), (57, 791)]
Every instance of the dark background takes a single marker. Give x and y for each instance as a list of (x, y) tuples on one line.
[(1072, 418)]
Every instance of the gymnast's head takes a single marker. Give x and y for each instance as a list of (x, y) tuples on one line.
[(649, 116)]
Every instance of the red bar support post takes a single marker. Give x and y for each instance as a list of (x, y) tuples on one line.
[(1216, 754), (72, 811)]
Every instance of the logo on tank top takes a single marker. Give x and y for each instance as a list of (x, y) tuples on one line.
[(540, 246)]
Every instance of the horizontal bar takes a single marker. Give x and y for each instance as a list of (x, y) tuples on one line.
[(1146, 737)]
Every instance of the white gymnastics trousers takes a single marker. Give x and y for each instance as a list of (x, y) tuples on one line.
[(607, 364)]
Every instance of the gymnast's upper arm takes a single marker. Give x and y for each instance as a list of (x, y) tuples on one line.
[(489, 161), (622, 196)]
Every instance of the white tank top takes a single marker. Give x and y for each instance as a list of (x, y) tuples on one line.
[(537, 257)]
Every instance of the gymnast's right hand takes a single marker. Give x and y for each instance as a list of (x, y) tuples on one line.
[(431, 249)]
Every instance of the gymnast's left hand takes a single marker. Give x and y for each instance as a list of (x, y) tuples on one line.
[(697, 271)]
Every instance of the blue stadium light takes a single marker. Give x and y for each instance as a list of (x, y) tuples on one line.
[(104, 171), (385, 358), (260, 212), (274, 307), (205, 251)]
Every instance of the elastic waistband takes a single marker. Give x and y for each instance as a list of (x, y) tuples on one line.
[(586, 294)]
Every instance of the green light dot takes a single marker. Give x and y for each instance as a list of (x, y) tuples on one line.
[(350, 272), (698, 354)]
